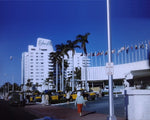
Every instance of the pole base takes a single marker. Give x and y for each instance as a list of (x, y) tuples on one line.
[(111, 117)]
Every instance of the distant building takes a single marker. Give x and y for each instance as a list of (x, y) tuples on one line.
[(36, 64)]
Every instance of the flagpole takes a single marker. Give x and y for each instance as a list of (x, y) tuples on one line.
[(139, 53), (100, 59), (115, 57), (95, 59), (125, 55), (136, 54), (146, 48), (111, 103), (103, 59)]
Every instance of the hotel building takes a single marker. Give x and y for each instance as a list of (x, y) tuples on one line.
[(36, 64)]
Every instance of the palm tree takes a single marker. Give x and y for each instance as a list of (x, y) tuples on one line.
[(48, 81), (55, 57), (29, 84), (71, 46), (37, 85), (83, 40), (63, 49)]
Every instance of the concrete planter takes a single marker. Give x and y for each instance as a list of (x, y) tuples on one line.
[(137, 104)]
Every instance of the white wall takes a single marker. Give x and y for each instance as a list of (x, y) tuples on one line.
[(99, 73)]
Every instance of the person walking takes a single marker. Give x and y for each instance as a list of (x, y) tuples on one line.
[(43, 99), (46, 99), (68, 97), (79, 102)]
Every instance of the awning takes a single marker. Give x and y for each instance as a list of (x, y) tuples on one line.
[(141, 74)]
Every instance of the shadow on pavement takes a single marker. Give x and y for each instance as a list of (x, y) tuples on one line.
[(89, 113)]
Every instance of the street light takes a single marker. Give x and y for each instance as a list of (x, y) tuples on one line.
[(11, 58), (111, 103)]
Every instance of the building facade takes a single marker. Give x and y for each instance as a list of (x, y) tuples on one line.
[(36, 64)]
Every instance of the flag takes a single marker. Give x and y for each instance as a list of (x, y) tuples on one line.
[(146, 46), (98, 54), (93, 54), (127, 49), (122, 48), (119, 51), (106, 52), (142, 46), (102, 52), (113, 51), (136, 47)]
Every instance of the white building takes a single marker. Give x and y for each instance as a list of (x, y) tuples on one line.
[(36, 64)]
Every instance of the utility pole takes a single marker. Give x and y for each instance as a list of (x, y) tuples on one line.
[(110, 72)]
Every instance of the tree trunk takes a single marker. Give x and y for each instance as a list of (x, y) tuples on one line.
[(56, 76), (62, 74), (73, 85)]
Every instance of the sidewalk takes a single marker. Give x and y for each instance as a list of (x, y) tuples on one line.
[(61, 113)]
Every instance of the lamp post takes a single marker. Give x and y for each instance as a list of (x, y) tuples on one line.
[(11, 58), (111, 103)]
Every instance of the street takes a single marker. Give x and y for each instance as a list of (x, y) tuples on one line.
[(93, 110), (8, 112), (101, 105)]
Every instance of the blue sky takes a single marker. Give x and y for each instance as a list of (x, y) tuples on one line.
[(22, 22)]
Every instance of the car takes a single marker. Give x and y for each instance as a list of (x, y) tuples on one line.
[(14, 99), (57, 96), (35, 98), (88, 95)]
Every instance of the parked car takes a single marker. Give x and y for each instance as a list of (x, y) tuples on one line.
[(57, 96), (14, 99), (35, 98), (88, 95)]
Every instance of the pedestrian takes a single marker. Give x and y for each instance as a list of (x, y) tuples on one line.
[(28, 98), (46, 99), (68, 97), (79, 102), (21, 100), (43, 99)]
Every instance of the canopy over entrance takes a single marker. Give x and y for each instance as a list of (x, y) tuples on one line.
[(141, 74)]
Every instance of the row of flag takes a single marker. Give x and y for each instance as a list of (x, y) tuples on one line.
[(126, 49)]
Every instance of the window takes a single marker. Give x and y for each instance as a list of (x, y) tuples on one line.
[(43, 49), (33, 49)]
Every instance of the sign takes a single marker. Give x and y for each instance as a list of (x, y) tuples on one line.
[(109, 68)]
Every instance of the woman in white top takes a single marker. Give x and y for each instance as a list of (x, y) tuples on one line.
[(79, 102)]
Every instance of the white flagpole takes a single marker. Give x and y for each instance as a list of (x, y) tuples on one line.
[(128, 55), (132, 56), (125, 55), (143, 49), (136, 54), (95, 59), (100, 59), (139, 53), (146, 48), (118, 56), (115, 57), (91, 60), (103, 59), (110, 76)]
